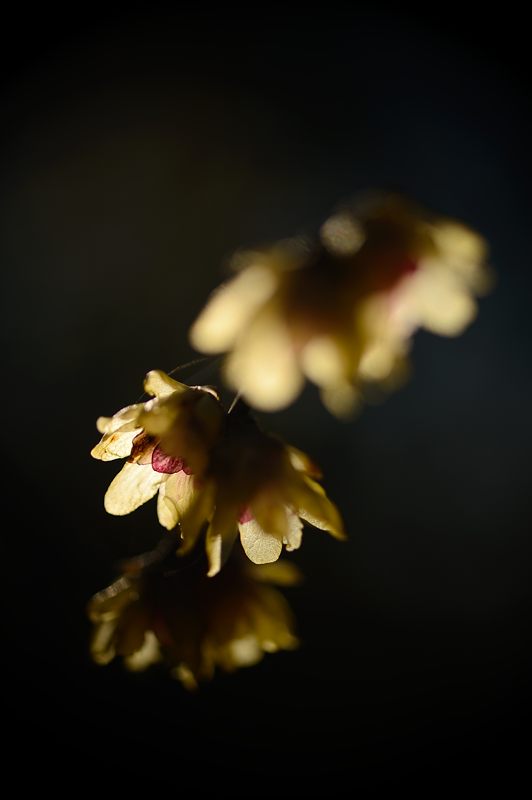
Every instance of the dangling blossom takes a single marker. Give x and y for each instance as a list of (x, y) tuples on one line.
[(173, 614), (256, 487), (341, 310), (178, 420)]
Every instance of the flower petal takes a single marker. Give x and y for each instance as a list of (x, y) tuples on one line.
[(259, 546), (198, 511), (313, 505), (263, 364), (221, 536), (230, 309), (302, 462), (175, 496), (158, 384), (115, 445), (102, 642), (133, 486), (148, 654), (124, 419), (281, 573), (293, 537)]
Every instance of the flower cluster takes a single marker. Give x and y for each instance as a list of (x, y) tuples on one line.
[(213, 472), (168, 612), (339, 310)]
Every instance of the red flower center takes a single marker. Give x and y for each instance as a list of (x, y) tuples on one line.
[(161, 462)]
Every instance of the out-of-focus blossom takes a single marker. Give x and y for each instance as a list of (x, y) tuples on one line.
[(256, 486), (341, 310), (166, 442), (171, 612)]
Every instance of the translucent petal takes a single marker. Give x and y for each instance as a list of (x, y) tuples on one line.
[(263, 365), (246, 651), (175, 496), (102, 646), (442, 304), (198, 511), (313, 505), (133, 486), (221, 534), (158, 384), (125, 419), (302, 462), (323, 361), (293, 538), (259, 546), (281, 573), (115, 445), (148, 654), (230, 309)]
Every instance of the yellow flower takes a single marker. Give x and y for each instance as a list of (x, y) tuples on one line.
[(194, 624), (256, 486), (166, 441), (341, 310)]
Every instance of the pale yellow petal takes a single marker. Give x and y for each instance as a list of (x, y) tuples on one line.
[(294, 535), (125, 419), (158, 384), (442, 304), (245, 652), (263, 365), (281, 573), (175, 496), (198, 512), (342, 399), (221, 536), (323, 361), (115, 445), (259, 546), (102, 645), (312, 504), (186, 677), (148, 654), (230, 309), (464, 252), (302, 462), (134, 485)]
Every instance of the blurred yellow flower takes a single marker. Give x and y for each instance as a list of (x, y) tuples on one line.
[(166, 441), (341, 311), (256, 486), (174, 614)]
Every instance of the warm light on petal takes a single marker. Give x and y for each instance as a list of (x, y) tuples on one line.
[(263, 365), (134, 485), (115, 445), (158, 384), (314, 506), (281, 573), (259, 546), (230, 308), (175, 496), (148, 654), (293, 537)]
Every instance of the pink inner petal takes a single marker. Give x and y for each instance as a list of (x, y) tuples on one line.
[(245, 516), (161, 462)]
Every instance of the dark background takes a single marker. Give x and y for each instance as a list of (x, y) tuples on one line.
[(139, 150)]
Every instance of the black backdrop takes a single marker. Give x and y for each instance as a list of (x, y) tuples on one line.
[(138, 151)]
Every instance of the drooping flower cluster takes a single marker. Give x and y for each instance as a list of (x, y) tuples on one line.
[(213, 471), (341, 310), (168, 611), (178, 419)]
